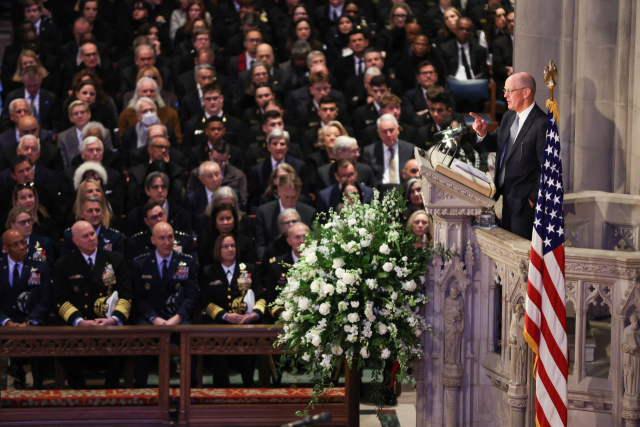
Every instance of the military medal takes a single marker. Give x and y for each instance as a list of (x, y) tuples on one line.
[(109, 276), (40, 254), (182, 273), (216, 283), (177, 247), (108, 246), (34, 280), (147, 286)]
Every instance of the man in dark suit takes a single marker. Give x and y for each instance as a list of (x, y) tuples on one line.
[(387, 156), (471, 65), (245, 60), (71, 50), (184, 53), (390, 104), (84, 288), (45, 27), (25, 296), (165, 289), (346, 147), (48, 155), (331, 197), (518, 144), (17, 109), (186, 82), (92, 60), (214, 131), (145, 56), (328, 15), (307, 113), (108, 238), (368, 114), (278, 79), (303, 96), (414, 101), (29, 146), (196, 202), (407, 67), (354, 64), (45, 105), (156, 186), (259, 177), (502, 51), (191, 103), (267, 228), (141, 243)]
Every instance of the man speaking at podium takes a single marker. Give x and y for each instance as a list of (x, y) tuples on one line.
[(518, 144)]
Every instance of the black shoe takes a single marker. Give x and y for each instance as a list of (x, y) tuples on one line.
[(19, 376)]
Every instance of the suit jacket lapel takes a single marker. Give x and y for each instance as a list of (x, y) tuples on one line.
[(378, 152), (334, 197), (523, 131)]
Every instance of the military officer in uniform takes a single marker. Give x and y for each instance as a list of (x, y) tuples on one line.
[(40, 249), (141, 243), (165, 289), (277, 274), (231, 293), (91, 287), (108, 238), (25, 297)]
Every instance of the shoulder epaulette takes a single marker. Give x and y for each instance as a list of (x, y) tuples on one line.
[(68, 229), (138, 234), (143, 255), (180, 233), (184, 255), (113, 229)]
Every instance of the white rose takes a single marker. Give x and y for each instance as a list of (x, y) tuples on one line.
[(286, 315), (338, 262), (352, 338), (409, 286), (365, 243), (327, 289), (387, 267), (342, 306), (385, 353), (364, 352), (339, 273), (324, 308), (303, 303), (353, 317), (382, 328), (315, 287), (352, 222), (371, 283), (316, 340), (394, 296), (347, 328), (337, 350), (355, 304), (311, 258), (349, 278), (306, 357), (384, 249), (363, 232)]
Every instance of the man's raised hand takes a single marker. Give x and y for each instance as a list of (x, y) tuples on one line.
[(479, 126)]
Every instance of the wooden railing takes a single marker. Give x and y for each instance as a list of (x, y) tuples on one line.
[(197, 340)]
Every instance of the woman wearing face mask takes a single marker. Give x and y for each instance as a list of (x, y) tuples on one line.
[(86, 91), (39, 247), (169, 98)]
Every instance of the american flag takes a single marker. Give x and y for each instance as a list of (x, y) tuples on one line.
[(545, 314)]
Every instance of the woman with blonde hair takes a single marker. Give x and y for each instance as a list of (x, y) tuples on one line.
[(323, 149), (26, 59), (392, 38), (420, 225), (26, 195), (92, 188), (449, 21)]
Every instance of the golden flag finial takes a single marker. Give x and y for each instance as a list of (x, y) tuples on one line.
[(550, 76)]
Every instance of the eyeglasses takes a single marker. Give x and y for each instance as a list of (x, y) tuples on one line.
[(157, 217), (289, 223), (228, 246), (510, 91), (25, 222), (254, 40), (25, 185), (162, 147), (466, 29), (159, 187)]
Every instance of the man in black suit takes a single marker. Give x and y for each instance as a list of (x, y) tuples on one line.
[(214, 131), (259, 177), (351, 65), (331, 197), (303, 95), (346, 147), (327, 110), (92, 60), (145, 56), (267, 228), (471, 65), (196, 202), (502, 51), (45, 27), (71, 51), (407, 67), (245, 60), (518, 144), (48, 156), (185, 53), (414, 101), (307, 114), (30, 147), (279, 80), (44, 105), (18, 108), (387, 156), (328, 15), (390, 104), (191, 103), (186, 82), (368, 114)]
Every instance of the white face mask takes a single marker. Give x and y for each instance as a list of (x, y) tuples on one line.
[(149, 118)]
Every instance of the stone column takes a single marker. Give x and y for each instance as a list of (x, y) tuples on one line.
[(452, 380)]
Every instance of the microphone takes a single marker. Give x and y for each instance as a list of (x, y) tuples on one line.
[(323, 417), (452, 132)]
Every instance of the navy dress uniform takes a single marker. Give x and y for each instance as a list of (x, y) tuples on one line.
[(80, 292), (220, 296), (160, 293), (140, 244), (277, 277), (25, 299), (40, 249), (108, 240)]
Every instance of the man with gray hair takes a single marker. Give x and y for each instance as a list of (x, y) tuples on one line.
[(302, 96), (196, 202), (17, 109), (346, 147), (49, 154), (191, 103), (29, 146), (144, 56), (280, 79), (156, 187), (280, 246), (388, 155), (69, 141)]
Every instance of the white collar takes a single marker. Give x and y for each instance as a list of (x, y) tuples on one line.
[(274, 162), (166, 207), (523, 116), (232, 268), (209, 194), (295, 258), (281, 207), (465, 46), (27, 96), (92, 256), (375, 104)]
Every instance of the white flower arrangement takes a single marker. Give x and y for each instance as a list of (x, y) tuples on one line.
[(355, 293)]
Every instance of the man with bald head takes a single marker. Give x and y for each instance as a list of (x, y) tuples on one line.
[(50, 156), (91, 287), (518, 144), (279, 266), (165, 288), (25, 298), (280, 79)]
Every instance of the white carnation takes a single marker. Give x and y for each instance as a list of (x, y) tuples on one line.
[(306, 357), (371, 283), (393, 235), (303, 303), (387, 267), (409, 286), (384, 249), (394, 296), (364, 352), (337, 350), (315, 287), (311, 258), (286, 315), (339, 273), (385, 353), (325, 307), (341, 288), (338, 262), (352, 222), (365, 242), (363, 232), (316, 340), (347, 328), (342, 306), (355, 304), (353, 317), (327, 289), (382, 328), (349, 278), (352, 338)]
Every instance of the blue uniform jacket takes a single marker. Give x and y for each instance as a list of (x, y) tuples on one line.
[(40, 249), (31, 297), (108, 240)]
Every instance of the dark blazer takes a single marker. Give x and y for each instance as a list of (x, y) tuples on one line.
[(277, 277), (200, 153), (414, 101), (373, 156), (260, 174), (129, 145), (195, 203), (326, 175), (407, 133), (280, 80), (267, 228), (128, 79), (301, 97), (7, 138), (344, 69), (190, 106), (179, 219), (30, 297), (50, 157), (331, 197), (175, 293), (502, 51), (76, 288), (40, 249), (140, 244), (186, 83), (43, 176), (108, 240), (236, 133), (364, 116), (522, 168), (217, 293), (49, 109), (449, 59)]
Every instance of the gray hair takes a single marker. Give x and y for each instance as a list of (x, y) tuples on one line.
[(153, 176), (278, 133), (86, 167), (164, 130), (137, 51), (300, 47), (204, 165), (29, 137), (90, 140), (312, 54), (222, 193), (287, 212), (144, 99), (372, 71), (92, 199), (12, 105), (386, 118), (134, 99), (204, 66), (94, 125), (77, 103), (343, 142)]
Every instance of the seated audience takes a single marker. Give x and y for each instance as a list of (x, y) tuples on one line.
[(92, 210), (331, 197), (345, 147), (39, 248)]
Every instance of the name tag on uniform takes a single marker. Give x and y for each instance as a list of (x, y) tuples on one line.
[(368, 121), (77, 276), (35, 278), (216, 283), (182, 273), (144, 276)]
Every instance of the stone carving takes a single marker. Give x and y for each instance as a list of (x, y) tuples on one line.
[(234, 345), (79, 346), (469, 259), (630, 415), (494, 251), (631, 357), (453, 326), (454, 268), (598, 406), (517, 403), (604, 269), (452, 382), (439, 194), (457, 188), (518, 347), (579, 404), (454, 212), (594, 290)]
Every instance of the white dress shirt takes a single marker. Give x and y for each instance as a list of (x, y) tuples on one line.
[(335, 12), (275, 163), (295, 258), (248, 60), (209, 195), (79, 136), (387, 157), (93, 260), (461, 74)]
